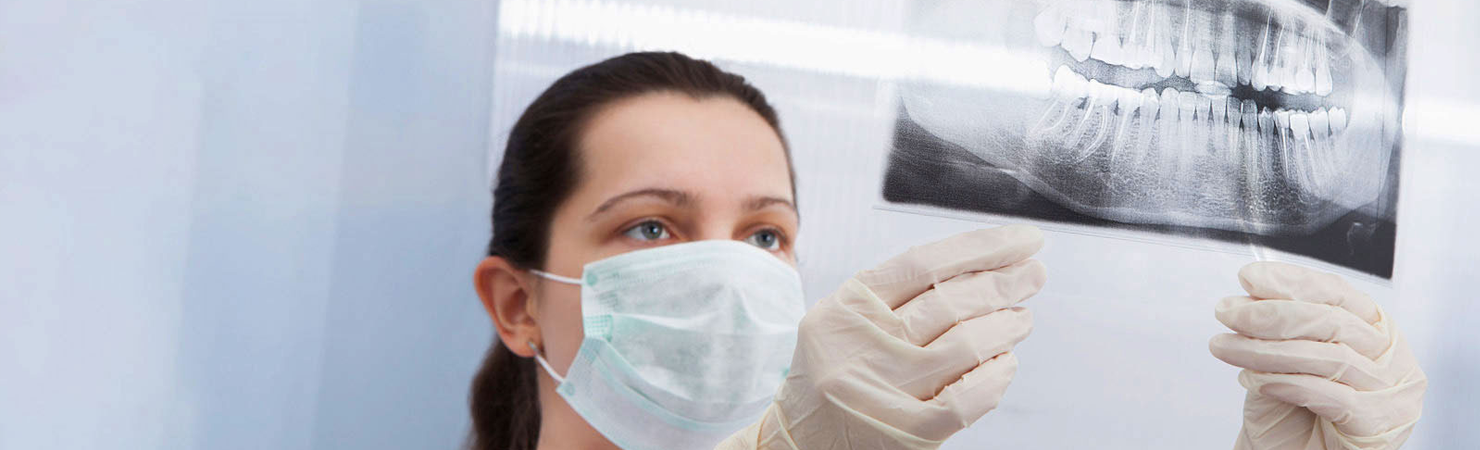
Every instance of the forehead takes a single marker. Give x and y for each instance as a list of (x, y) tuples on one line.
[(716, 146)]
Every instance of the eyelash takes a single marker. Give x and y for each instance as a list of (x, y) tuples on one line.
[(628, 230), (782, 240)]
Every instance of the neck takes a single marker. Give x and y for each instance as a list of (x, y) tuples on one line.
[(561, 427)]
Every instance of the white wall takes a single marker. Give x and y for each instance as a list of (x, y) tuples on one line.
[(241, 224), (252, 225)]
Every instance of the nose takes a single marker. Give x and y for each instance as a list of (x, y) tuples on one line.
[(714, 227)]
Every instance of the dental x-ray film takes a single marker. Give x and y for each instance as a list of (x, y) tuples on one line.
[(1273, 123)]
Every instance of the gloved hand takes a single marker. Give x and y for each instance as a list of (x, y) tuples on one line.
[(1324, 366), (906, 354)]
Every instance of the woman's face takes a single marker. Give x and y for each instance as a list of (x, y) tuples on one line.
[(661, 169)]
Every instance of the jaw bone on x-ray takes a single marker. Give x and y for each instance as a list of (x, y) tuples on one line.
[(1264, 121)]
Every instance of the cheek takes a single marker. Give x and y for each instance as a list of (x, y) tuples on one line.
[(560, 325), (790, 258)]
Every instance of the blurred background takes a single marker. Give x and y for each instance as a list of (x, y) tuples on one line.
[(229, 224)]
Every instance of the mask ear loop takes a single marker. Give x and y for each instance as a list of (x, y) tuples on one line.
[(545, 364), (554, 277)]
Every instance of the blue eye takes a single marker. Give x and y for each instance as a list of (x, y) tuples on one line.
[(651, 230), (765, 239)]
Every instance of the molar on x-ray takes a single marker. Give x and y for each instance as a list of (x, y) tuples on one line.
[(1266, 121)]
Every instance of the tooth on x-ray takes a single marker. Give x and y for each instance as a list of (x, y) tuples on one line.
[(1259, 116)]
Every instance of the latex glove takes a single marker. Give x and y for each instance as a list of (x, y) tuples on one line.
[(1323, 365), (906, 354)]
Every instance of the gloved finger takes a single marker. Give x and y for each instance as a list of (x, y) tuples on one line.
[(1353, 412), (962, 348), (1274, 280), (1289, 319), (1331, 361), (1323, 397), (969, 296), (961, 403), (906, 276)]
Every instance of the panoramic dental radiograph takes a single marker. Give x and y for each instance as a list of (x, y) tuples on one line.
[(1265, 121)]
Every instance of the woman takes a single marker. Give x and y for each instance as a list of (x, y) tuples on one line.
[(641, 278)]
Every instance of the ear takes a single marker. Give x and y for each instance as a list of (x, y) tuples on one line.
[(506, 297)]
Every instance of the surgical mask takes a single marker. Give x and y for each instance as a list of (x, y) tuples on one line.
[(685, 344)]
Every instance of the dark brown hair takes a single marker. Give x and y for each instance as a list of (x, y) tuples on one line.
[(540, 168)]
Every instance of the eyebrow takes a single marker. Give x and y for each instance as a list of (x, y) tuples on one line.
[(756, 203), (678, 198), (683, 199)]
